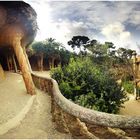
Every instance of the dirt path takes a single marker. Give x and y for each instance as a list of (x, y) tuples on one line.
[(37, 123), (132, 107), (13, 96)]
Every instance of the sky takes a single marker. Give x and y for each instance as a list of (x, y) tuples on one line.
[(114, 21)]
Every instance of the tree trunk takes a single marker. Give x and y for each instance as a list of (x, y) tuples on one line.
[(8, 63), (38, 63), (24, 66), (60, 63), (15, 65), (49, 64), (11, 62), (41, 62), (53, 59)]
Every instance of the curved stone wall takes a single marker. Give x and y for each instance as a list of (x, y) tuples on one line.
[(70, 116)]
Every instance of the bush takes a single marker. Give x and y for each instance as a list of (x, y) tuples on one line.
[(89, 86), (128, 86)]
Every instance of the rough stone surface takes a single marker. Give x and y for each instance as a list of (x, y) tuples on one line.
[(58, 118), (72, 114), (77, 128)]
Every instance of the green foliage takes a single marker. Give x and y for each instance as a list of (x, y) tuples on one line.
[(128, 86), (51, 50), (39, 48), (127, 77), (65, 56), (89, 86), (78, 41)]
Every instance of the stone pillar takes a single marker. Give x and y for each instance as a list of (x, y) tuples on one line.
[(24, 50), (23, 65), (2, 76), (14, 62)]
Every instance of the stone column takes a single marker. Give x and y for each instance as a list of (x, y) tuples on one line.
[(14, 62), (24, 50), (23, 65)]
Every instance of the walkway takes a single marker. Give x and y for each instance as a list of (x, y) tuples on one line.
[(131, 107), (13, 97), (43, 73), (37, 124)]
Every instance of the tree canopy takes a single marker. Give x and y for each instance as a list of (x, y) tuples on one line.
[(78, 41)]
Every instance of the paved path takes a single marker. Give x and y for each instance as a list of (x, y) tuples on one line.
[(37, 124), (132, 107), (13, 96)]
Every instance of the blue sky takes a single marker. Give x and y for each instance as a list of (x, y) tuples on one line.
[(115, 21)]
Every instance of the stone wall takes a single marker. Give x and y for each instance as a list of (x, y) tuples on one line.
[(81, 122)]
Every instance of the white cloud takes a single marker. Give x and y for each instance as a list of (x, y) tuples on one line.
[(135, 18), (62, 20), (117, 34), (113, 29)]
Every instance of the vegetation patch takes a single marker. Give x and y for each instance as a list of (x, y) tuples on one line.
[(128, 86), (89, 85)]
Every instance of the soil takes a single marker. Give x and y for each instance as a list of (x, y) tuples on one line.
[(131, 107)]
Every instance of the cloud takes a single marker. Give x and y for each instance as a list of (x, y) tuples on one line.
[(100, 20), (95, 14), (135, 18), (117, 34)]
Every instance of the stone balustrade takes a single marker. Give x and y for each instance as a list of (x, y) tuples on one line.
[(81, 122)]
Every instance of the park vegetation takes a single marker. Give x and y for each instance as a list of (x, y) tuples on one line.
[(89, 77)]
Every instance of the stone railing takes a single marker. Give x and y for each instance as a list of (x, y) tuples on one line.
[(81, 122)]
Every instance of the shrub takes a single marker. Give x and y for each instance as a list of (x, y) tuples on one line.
[(128, 86), (89, 86)]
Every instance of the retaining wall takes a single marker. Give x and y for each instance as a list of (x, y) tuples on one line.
[(82, 122)]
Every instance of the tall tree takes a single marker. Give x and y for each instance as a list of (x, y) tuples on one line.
[(79, 42)]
